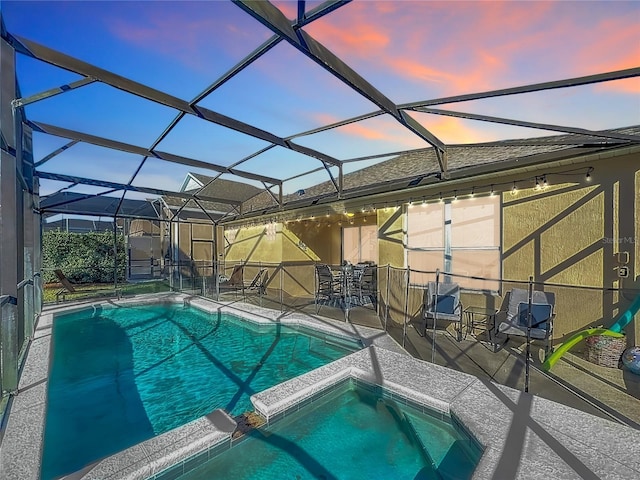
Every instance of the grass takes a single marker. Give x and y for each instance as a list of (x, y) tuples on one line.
[(103, 289)]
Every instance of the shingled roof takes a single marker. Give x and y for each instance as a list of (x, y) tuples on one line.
[(219, 188), (419, 164), (230, 189)]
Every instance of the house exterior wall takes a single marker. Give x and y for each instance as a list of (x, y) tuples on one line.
[(250, 246), (391, 237), (202, 248), (203, 232), (257, 246), (140, 227), (144, 254), (567, 233), (571, 233), (321, 237)]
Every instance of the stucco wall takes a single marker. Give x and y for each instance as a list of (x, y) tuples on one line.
[(566, 233), (302, 245), (391, 252), (570, 233), (255, 246)]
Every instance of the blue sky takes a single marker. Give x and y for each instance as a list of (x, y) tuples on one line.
[(409, 50)]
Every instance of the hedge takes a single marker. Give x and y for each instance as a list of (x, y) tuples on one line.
[(83, 257)]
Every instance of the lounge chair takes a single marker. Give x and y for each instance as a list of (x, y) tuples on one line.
[(259, 282), (235, 281), (68, 287), (542, 314), (443, 305)]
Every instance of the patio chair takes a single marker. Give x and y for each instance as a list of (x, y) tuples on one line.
[(68, 287), (259, 282), (235, 281), (542, 314), (327, 287), (364, 284), (446, 306)]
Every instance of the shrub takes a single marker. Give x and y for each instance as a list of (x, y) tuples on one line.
[(83, 257)]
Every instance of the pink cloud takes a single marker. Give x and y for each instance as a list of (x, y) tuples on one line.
[(288, 8), (355, 129), (374, 130), (404, 40), (360, 39), (461, 47), (367, 133), (474, 79), (447, 129), (430, 47), (606, 54), (454, 130)]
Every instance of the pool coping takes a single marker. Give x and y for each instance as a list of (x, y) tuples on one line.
[(523, 436)]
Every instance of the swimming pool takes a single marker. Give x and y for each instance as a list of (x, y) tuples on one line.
[(357, 431), (122, 375)]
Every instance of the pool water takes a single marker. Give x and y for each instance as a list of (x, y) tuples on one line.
[(350, 434), (120, 376)]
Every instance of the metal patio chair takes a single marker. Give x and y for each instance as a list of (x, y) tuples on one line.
[(258, 283), (443, 304), (542, 315), (364, 285), (327, 286)]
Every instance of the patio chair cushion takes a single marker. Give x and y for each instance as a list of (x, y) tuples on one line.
[(520, 331), (519, 295), (540, 313), (444, 304)]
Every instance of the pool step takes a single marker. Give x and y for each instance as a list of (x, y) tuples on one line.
[(421, 446), (458, 462), (407, 427)]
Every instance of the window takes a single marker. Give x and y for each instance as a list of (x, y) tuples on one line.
[(360, 244), (461, 237)]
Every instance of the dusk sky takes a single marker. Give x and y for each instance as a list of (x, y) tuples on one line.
[(409, 50)]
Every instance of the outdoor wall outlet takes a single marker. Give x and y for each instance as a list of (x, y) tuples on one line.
[(623, 272)]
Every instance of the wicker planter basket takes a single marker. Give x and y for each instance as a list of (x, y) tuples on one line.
[(605, 351)]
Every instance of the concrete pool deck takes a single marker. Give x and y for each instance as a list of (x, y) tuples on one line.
[(524, 436)]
